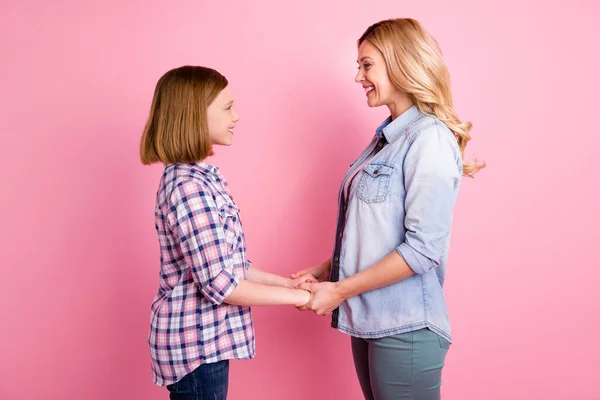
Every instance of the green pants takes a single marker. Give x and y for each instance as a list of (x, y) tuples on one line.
[(404, 366)]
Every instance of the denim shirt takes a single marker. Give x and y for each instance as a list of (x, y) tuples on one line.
[(401, 200)]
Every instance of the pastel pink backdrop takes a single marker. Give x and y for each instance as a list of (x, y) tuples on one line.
[(79, 255)]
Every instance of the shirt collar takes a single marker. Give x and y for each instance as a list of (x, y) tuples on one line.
[(201, 167), (393, 129), (205, 168)]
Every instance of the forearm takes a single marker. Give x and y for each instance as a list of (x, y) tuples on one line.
[(248, 293), (390, 269), (266, 278)]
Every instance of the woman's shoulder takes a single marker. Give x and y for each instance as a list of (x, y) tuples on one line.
[(429, 129), (427, 125)]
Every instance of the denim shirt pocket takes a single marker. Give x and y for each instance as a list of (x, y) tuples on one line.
[(374, 182)]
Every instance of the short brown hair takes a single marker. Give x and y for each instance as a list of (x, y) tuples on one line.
[(177, 127)]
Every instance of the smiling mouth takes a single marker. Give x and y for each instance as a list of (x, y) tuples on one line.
[(369, 89)]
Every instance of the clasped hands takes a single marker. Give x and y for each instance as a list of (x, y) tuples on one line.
[(325, 296)]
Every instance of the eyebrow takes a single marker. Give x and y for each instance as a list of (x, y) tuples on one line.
[(364, 58)]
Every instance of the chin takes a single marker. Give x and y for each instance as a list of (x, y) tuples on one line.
[(226, 141)]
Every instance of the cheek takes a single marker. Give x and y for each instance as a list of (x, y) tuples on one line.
[(216, 123), (377, 81), (212, 121), (384, 86)]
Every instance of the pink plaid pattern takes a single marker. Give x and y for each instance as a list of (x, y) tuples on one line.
[(202, 259)]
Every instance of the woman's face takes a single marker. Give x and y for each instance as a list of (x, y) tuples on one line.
[(222, 118), (374, 78)]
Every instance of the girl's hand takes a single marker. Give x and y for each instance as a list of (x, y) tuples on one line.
[(293, 283), (320, 272), (303, 298), (325, 297)]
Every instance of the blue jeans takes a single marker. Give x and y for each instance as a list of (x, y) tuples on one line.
[(406, 366), (207, 382)]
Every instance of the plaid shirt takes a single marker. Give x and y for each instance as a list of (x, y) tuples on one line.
[(202, 259)]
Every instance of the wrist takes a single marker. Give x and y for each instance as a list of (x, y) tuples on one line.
[(303, 297), (288, 283), (343, 289)]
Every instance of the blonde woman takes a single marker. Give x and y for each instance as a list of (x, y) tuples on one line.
[(384, 281)]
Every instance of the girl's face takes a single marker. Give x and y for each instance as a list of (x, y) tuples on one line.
[(222, 118)]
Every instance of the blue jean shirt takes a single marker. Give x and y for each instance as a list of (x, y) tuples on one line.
[(401, 200)]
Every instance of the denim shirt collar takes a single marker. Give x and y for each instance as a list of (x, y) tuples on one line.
[(392, 130)]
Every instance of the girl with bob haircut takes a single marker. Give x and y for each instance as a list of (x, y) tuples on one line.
[(200, 316)]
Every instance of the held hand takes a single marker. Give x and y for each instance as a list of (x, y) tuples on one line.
[(305, 306), (293, 283), (320, 272), (304, 297), (325, 297)]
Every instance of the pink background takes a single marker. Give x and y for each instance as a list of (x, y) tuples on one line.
[(79, 256)]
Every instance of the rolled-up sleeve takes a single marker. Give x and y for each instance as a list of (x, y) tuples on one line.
[(198, 225), (432, 173)]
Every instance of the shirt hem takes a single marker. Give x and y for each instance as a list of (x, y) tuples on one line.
[(393, 331), (166, 382)]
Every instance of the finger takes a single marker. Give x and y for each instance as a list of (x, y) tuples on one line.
[(306, 286), (301, 272), (323, 312), (305, 278)]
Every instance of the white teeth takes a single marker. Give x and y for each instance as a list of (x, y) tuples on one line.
[(367, 90)]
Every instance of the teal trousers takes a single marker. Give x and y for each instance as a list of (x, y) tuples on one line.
[(406, 366)]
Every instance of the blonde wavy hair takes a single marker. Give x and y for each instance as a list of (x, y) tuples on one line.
[(415, 66)]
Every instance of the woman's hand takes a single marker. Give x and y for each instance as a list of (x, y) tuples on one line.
[(320, 272), (325, 297), (293, 283)]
